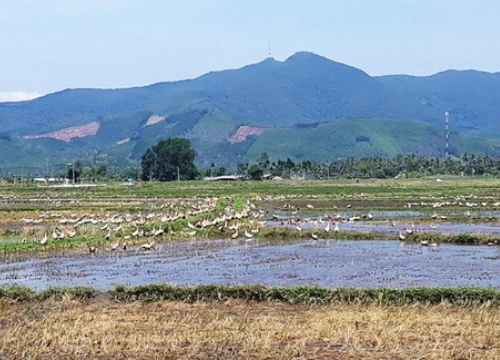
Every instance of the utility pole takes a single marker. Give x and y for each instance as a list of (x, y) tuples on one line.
[(73, 172), (178, 174)]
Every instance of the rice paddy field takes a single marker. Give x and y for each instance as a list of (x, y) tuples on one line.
[(347, 269)]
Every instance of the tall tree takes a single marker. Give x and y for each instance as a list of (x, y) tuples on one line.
[(168, 160)]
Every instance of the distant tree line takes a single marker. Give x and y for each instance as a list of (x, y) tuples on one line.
[(173, 159), (411, 166), (76, 171)]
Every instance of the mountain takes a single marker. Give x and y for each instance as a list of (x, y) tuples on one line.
[(307, 107), (472, 97)]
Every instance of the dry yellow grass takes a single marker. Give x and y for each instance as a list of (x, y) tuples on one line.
[(104, 329)]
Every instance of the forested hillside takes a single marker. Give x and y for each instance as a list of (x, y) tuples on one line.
[(307, 107)]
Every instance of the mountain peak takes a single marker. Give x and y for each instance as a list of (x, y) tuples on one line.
[(269, 59), (304, 55), (311, 62)]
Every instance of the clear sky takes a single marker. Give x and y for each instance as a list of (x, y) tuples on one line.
[(50, 45)]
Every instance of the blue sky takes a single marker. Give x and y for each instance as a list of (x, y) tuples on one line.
[(50, 45)]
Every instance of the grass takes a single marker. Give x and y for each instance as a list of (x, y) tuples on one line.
[(461, 239), (333, 188), (309, 294), (260, 293), (235, 329)]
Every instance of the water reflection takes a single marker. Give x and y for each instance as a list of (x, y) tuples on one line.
[(324, 263)]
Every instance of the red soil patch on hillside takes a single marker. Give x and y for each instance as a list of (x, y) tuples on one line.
[(243, 132), (69, 133), (154, 119)]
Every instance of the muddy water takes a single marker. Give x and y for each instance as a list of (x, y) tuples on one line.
[(323, 263), (390, 214), (395, 227), (377, 214)]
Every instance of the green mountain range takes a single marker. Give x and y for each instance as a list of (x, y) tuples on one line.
[(307, 107)]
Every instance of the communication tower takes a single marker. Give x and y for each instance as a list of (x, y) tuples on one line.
[(447, 132)]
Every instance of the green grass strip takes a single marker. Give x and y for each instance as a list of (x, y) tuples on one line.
[(463, 296)]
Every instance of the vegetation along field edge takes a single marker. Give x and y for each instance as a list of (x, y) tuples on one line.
[(464, 296)]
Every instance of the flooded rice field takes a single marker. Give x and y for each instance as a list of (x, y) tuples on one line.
[(390, 214), (323, 263), (391, 227)]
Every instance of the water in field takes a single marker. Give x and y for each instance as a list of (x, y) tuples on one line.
[(389, 214), (378, 214), (393, 227), (323, 263)]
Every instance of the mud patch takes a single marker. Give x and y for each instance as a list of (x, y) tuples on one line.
[(154, 119), (68, 133), (243, 132)]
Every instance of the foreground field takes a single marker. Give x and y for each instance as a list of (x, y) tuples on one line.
[(103, 329)]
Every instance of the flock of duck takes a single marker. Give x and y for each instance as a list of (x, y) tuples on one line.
[(325, 222), (122, 229)]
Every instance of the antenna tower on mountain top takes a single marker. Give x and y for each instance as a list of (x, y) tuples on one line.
[(447, 132)]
